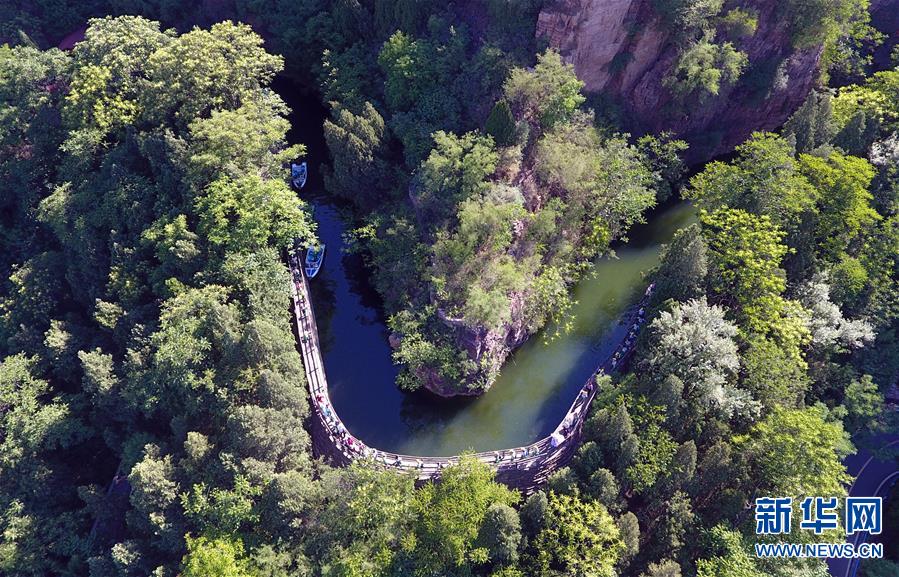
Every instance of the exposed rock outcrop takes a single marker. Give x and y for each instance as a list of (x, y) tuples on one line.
[(622, 49), (487, 348)]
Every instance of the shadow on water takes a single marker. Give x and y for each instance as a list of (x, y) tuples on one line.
[(538, 382)]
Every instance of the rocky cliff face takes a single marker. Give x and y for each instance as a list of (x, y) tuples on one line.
[(489, 349), (621, 48)]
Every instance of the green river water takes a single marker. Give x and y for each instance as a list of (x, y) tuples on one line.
[(536, 386)]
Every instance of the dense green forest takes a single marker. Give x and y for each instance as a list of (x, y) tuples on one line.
[(144, 304)]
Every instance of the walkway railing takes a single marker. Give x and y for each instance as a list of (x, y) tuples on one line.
[(524, 467)]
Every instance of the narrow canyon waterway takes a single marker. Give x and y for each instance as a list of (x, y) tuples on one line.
[(537, 383)]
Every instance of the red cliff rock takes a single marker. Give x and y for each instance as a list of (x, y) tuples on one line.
[(621, 49)]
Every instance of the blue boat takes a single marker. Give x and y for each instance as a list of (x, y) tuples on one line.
[(315, 256), (298, 174)]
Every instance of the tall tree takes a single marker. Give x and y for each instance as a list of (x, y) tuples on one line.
[(695, 343), (548, 94), (765, 179), (796, 452), (450, 514), (580, 539)]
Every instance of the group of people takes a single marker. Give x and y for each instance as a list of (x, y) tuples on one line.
[(634, 330), (320, 395), (516, 454)]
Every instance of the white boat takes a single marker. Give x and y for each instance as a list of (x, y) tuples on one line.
[(298, 174), (315, 255)]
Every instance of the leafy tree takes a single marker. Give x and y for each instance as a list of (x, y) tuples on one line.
[(30, 137), (356, 143), (533, 513), (879, 568), (547, 95), (844, 202), (745, 252), (402, 59), (848, 278), (563, 481), (665, 568), (731, 557), (241, 141), (773, 377), (613, 430), (121, 45), (714, 492), (501, 534), (189, 386), (214, 558), (428, 82), (663, 154), (450, 514), (740, 23), (479, 286), (155, 515), (501, 124), (678, 523), (704, 67), (580, 539), (273, 438), (203, 70), (261, 284), (419, 353), (284, 504), (454, 171), (33, 292), (864, 406), (603, 487), (176, 247), (39, 529), (607, 181), (812, 125), (683, 266), (198, 330), (797, 452), (765, 179), (251, 213), (650, 457), (683, 465), (828, 328), (820, 22), (221, 511), (629, 528), (366, 518), (695, 343), (684, 17)]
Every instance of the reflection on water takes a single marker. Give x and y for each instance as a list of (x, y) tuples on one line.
[(536, 385)]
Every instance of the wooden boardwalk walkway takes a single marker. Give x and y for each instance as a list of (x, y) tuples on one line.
[(524, 467)]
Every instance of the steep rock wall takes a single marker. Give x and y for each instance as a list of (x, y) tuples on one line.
[(620, 48)]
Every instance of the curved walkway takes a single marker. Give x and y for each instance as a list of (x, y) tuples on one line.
[(522, 467)]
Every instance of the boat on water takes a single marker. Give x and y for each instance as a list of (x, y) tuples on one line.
[(315, 255), (298, 174)]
